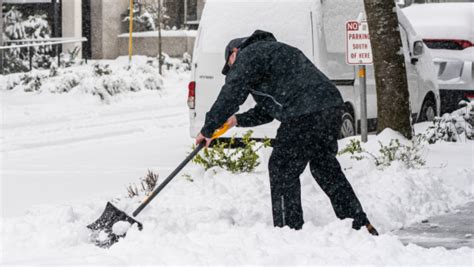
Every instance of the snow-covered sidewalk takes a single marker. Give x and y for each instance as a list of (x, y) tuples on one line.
[(64, 156), (452, 230)]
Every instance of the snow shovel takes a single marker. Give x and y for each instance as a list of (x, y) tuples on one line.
[(113, 223)]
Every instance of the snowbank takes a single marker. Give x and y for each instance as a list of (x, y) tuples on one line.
[(396, 196), (177, 33), (104, 78), (224, 218), (66, 155)]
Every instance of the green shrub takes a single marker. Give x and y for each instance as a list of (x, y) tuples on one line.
[(409, 155), (235, 160)]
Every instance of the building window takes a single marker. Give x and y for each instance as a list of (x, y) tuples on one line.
[(182, 13)]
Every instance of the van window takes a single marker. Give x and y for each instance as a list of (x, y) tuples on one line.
[(335, 14), (405, 41)]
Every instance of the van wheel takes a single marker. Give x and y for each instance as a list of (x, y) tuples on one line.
[(428, 110), (347, 127)]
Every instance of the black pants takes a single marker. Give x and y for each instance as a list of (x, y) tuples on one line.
[(310, 138)]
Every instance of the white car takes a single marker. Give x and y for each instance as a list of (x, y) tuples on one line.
[(448, 30), (318, 29)]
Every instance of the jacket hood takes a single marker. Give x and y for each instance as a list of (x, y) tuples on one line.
[(258, 36)]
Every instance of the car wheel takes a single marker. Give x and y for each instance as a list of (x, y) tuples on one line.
[(347, 127), (428, 110)]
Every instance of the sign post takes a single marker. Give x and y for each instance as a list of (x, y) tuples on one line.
[(363, 103), (359, 52)]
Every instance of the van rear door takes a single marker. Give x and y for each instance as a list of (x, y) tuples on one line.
[(222, 21)]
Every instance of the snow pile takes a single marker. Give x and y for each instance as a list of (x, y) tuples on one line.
[(452, 20), (164, 33), (225, 219), (222, 218), (81, 154), (121, 228), (396, 196), (104, 79)]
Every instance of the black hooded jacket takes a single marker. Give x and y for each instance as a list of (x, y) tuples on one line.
[(283, 82)]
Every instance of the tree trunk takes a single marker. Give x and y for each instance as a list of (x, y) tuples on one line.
[(393, 102)]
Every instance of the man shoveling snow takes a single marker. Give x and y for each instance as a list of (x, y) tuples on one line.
[(288, 87)]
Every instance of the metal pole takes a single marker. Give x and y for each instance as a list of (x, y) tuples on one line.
[(57, 54), (185, 20), (159, 38), (130, 36), (2, 71), (363, 103), (55, 18), (30, 57)]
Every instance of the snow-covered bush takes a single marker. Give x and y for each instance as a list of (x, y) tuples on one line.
[(410, 155), (147, 185), (179, 64), (146, 16), (235, 160), (16, 27), (102, 80), (452, 127), (13, 29), (141, 22), (70, 58), (28, 82), (14, 24), (151, 82), (113, 84), (67, 83), (186, 61), (101, 69)]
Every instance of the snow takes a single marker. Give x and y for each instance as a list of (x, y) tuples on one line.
[(120, 228), (164, 33), (443, 20), (244, 17), (65, 155)]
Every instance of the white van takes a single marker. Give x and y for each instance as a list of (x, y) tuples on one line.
[(316, 27), (450, 38)]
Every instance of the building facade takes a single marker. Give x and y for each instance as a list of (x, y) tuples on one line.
[(101, 21)]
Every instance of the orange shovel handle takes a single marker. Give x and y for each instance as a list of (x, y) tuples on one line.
[(220, 131)]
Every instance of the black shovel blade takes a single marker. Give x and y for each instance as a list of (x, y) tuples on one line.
[(102, 234)]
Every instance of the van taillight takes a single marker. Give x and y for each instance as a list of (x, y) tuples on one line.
[(451, 44), (192, 95)]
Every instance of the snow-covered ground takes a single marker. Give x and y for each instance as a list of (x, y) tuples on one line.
[(65, 155)]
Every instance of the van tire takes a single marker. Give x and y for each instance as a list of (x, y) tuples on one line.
[(347, 126), (428, 110)]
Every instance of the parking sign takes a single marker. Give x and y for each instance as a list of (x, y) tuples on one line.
[(358, 49)]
